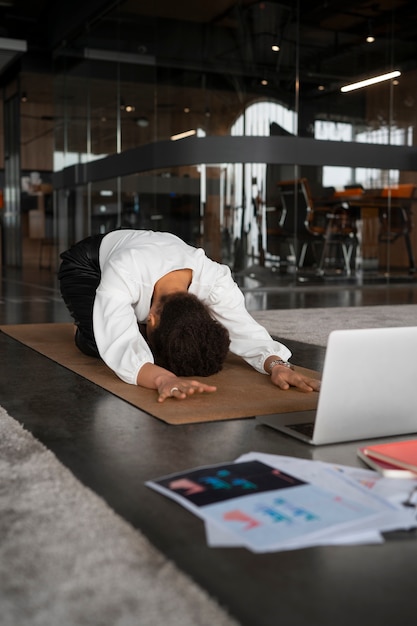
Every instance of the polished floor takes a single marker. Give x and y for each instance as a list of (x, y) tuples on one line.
[(31, 295), (114, 448)]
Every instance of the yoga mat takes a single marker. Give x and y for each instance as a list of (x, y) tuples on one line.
[(241, 391)]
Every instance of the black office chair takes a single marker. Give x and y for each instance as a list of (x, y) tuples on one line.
[(341, 234), (396, 218), (297, 225)]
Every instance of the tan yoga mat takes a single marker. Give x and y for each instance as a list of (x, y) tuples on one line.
[(241, 391)]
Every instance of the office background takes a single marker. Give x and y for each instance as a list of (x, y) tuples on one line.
[(185, 117)]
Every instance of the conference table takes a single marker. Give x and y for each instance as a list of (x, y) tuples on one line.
[(113, 448)]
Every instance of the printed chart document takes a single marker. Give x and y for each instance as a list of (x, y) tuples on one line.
[(269, 503)]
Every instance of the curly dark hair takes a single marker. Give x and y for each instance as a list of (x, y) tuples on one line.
[(187, 340)]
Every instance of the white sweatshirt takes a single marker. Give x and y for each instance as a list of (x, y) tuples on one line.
[(131, 262)]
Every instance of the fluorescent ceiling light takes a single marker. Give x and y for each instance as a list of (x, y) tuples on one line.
[(370, 81), (95, 54), (10, 51), (186, 133), (15, 45)]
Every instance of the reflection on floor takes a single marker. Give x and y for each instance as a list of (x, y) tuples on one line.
[(267, 289), (30, 295)]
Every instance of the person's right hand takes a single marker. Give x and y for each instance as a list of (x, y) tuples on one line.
[(181, 388)]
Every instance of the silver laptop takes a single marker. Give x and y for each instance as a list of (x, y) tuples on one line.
[(368, 389)]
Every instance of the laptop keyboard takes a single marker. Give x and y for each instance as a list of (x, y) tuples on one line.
[(306, 429)]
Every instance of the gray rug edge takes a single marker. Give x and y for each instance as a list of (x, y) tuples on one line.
[(68, 558), (314, 325)]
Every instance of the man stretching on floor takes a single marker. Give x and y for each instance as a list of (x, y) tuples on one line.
[(159, 311)]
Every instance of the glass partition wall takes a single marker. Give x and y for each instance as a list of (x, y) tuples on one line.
[(247, 147)]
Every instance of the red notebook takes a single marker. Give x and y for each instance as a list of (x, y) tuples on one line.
[(401, 454), (386, 469)]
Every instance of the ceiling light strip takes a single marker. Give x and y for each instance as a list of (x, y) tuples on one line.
[(370, 81), (187, 133), (94, 54), (15, 45)]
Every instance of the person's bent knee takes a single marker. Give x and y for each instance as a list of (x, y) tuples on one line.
[(86, 345)]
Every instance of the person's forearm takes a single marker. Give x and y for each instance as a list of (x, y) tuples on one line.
[(151, 376)]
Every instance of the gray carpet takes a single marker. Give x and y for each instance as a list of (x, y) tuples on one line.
[(314, 325), (67, 558)]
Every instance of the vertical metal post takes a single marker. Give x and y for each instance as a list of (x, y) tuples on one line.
[(11, 223)]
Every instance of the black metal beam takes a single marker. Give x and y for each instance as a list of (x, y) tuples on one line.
[(270, 150)]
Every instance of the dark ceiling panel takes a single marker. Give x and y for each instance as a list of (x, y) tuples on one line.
[(225, 38)]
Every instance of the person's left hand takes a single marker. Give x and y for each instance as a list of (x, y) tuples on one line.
[(284, 378)]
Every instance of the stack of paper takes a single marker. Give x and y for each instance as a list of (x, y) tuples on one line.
[(268, 503)]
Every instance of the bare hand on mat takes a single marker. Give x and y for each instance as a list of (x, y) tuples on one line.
[(181, 388), (284, 378), (168, 385)]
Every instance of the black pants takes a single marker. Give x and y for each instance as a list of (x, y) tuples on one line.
[(79, 276)]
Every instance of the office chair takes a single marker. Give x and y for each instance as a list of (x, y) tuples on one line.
[(299, 225), (395, 218), (340, 233), (341, 228)]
